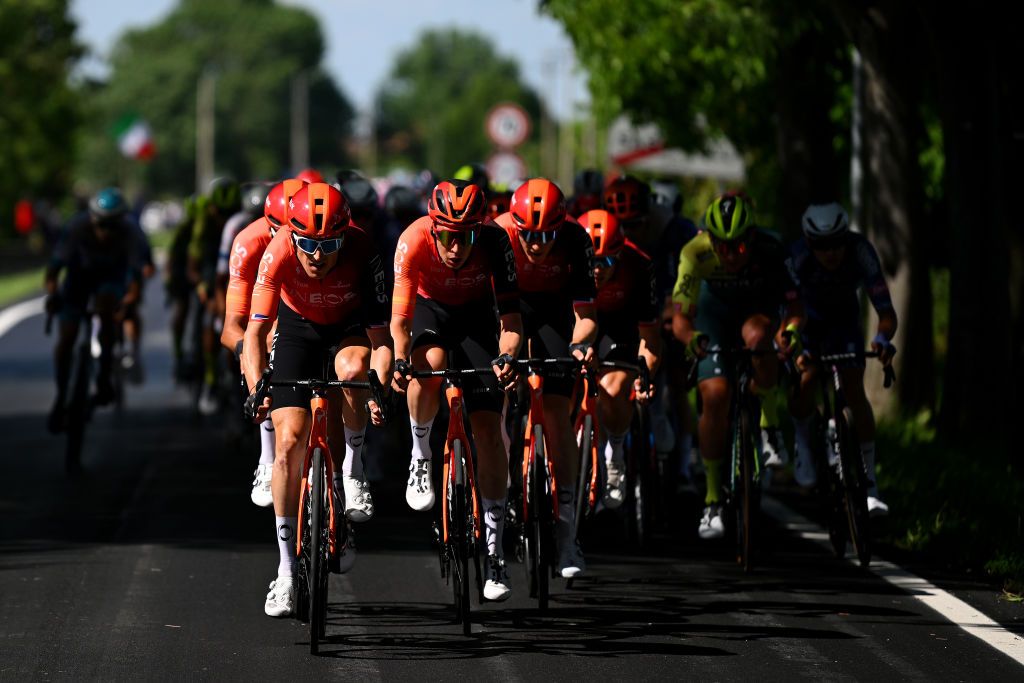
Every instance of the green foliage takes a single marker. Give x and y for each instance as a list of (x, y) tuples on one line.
[(431, 110), (254, 48), (38, 112), (958, 507)]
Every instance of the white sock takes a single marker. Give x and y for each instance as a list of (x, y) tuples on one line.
[(494, 524), (353, 466), (613, 447), (802, 434), (867, 454), (267, 442), (421, 439), (286, 545)]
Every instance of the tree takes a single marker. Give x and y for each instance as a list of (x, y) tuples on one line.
[(253, 48), (38, 112), (763, 74), (431, 110)]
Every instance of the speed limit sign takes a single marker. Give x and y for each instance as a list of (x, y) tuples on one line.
[(508, 125)]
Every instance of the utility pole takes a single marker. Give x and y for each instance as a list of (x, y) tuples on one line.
[(300, 121), (206, 98)]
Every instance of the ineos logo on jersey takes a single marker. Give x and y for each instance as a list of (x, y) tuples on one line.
[(465, 281), (320, 299), (400, 252), (378, 280), (239, 253), (264, 268)]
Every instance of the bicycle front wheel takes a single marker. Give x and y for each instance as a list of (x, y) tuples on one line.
[(748, 502), (319, 531), (855, 487), (543, 533), (458, 530), (586, 444)]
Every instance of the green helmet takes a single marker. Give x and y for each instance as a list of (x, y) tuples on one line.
[(730, 216), (225, 194)]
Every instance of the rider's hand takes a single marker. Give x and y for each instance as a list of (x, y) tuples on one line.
[(583, 352), (789, 341), (260, 411), (505, 370), (698, 346), (402, 375), (644, 395), (53, 303), (375, 413), (884, 348)]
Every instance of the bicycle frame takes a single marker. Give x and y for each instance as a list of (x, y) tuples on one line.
[(317, 439), (588, 407), (457, 432), (535, 416)]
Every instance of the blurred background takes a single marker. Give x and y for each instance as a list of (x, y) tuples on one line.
[(910, 113)]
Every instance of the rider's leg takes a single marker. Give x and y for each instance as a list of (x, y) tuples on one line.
[(614, 410), (863, 421), (491, 474), (713, 429), (424, 400), (758, 332), (106, 304), (291, 427), (352, 363), (801, 409)]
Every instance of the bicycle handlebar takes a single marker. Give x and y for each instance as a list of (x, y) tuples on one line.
[(889, 373), (263, 386)]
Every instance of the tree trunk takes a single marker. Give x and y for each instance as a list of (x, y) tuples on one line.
[(983, 160), (894, 196)]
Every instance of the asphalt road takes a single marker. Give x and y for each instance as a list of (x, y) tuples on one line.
[(154, 565)]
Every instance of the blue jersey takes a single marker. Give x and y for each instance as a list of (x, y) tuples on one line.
[(82, 255), (832, 295)]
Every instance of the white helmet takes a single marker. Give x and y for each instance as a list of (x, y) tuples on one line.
[(824, 220)]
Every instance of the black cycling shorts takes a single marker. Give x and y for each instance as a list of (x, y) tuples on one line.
[(303, 349), (618, 338), (470, 333), (548, 328)]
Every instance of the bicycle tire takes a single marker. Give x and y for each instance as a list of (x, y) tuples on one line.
[(77, 411), (459, 531), (319, 549), (304, 559), (748, 498), (855, 488), (544, 536), (830, 492), (586, 444)]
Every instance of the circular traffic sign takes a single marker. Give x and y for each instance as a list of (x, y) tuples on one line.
[(505, 168), (508, 125)]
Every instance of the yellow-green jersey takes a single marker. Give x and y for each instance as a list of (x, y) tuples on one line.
[(765, 282)]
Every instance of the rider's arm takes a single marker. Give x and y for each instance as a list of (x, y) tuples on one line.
[(873, 280), (376, 309), (582, 287), (511, 335), (685, 293), (266, 294), (650, 334), (403, 297), (793, 315)]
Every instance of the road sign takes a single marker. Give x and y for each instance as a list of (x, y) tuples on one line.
[(508, 125), (505, 168)]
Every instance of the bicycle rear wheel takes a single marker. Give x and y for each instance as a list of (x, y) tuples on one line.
[(855, 488), (459, 536), (77, 410), (544, 537), (640, 482), (319, 549)]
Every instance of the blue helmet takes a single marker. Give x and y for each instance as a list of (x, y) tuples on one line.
[(108, 204)]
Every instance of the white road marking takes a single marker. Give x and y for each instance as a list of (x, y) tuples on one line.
[(14, 315), (949, 606)]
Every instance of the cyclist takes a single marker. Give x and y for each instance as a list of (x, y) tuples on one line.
[(245, 251), (829, 264), (323, 280), (660, 233), (309, 175), (131, 359), (475, 174), (223, 201), (177, 287), (587, 187), (555, 269), (498, 202), (451, 269), (732, 282), (628, 315), (99, 253)]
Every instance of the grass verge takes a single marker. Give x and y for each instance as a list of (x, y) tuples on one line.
[(961, 508), (19, 285)]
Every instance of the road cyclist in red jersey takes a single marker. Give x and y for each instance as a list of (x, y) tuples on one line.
[(322, 279), (456, 297)]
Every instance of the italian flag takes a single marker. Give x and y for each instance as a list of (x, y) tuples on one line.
[(134, 138)]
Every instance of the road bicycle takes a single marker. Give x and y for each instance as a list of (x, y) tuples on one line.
[(458, 537), (840, 464), (323, 530)]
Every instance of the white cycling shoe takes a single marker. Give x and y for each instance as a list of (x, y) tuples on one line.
[(261, 493), (498, 586), (358, 501), (281, 598), (773, 448), (615, 485), (712, 525), (876, 506), (570, 562), (419, 491)]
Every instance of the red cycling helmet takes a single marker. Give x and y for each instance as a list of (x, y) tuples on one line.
[(318, 210), (627, 198), (310, 175), (456, 205), (275, 208), (605, 232), (538, 206)]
